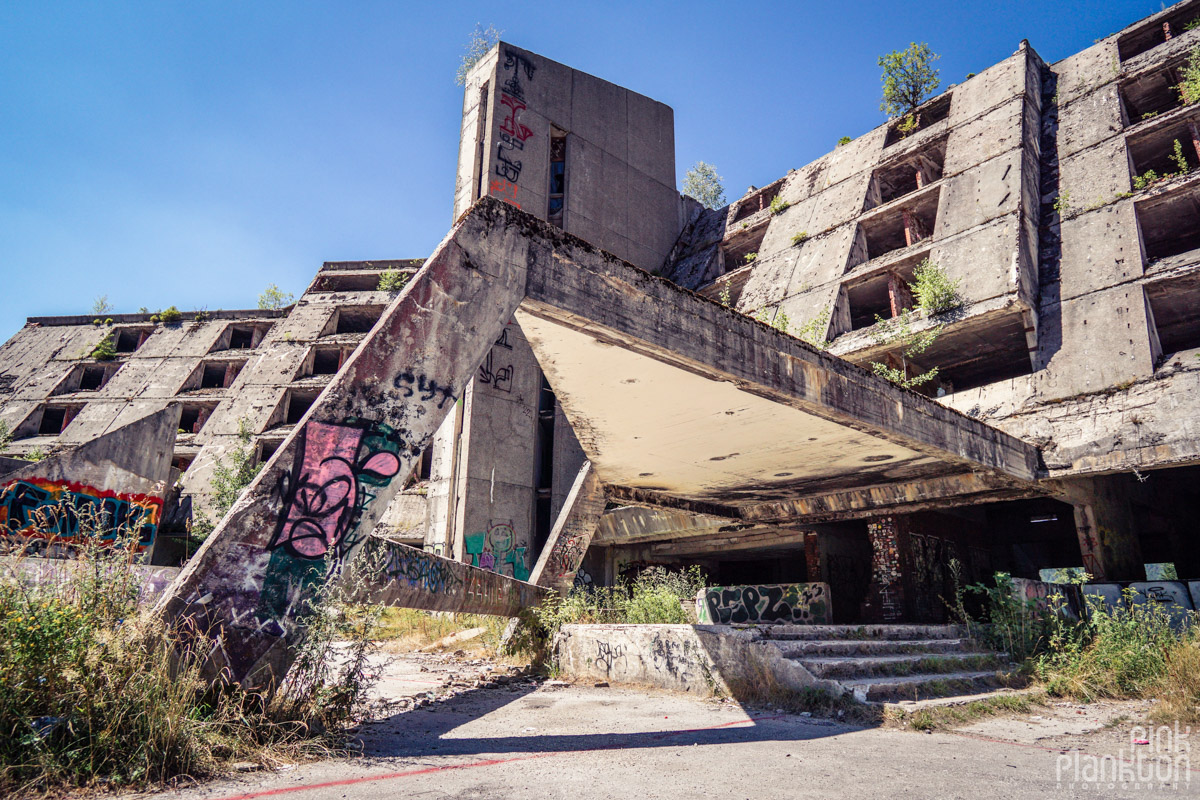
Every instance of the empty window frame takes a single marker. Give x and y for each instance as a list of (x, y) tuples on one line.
[(193, 416), (741, 247), (268, 448), (882, 296), (55, 419), (1175, 312), (87, 378), (1170, 225), (1152, 35), (757, 202), (558, 177), (926, 116), (128, 340), (219, 374), (298, 404), (894, 229), (1150, 95), (1154, 150), (357, 319), (327, 360), (364, 281), (914, 171)]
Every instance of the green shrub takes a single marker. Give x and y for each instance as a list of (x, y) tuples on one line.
[(170, 315), (799, 238), (1145, 179), (779, 205), (751, 257), (1189, 83), (229, 478), (105, 349), (723, 297), (815, 330), (392, 280), (1180, 161), (933, 289), (844, 140), (907, 126)]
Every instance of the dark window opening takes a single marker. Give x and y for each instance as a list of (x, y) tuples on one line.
[(882, 296), (757, 202), (193, 417), (1151, 95), (1155, 150), (1170, 225), (92, 379), (327, 362), (904, 177), (266, 449), (1150, 36), (425, 467), (741, 247), (558, 177), (241, 338), (298, 405), (55, 419), (894, 230), (213, 376), (130, 339), (1175, 312), (544, 478), (924, 117), (973, 355), (346, 282), (359, 319), (182, 462)]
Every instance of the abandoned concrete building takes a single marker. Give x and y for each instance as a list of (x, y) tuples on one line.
[(1078, 339)]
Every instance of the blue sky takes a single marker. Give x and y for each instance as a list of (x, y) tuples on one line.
[(171, 153)]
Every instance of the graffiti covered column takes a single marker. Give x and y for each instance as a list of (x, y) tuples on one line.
[(572, 533), (885, 594), (314, 503), (1104, 522)]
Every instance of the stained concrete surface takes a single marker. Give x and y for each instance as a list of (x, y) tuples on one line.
[(555, 740)]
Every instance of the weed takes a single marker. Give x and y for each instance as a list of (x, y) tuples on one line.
[(815, 330), (392, 280), (1180, 161), (1062, 203), (724, 297), (6, 436), (170, 315), (751, 257), (781, 322), (274, 298), (933, 289), (1150, 115), (899, 331), (1189, 84), (105, 349), (799, 238), (779, 205), (229, 478), (844, 140), (907, 126), (1147, 178)]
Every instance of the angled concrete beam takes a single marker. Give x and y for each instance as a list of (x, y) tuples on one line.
[(113, 484), (572, 533), (314, 503)]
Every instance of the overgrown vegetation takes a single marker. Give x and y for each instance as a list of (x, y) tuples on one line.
[(1189, 79), (273, 298), (95, 693), (101, 306), (843, 140), (6, 436), (816, 330), (908, 78), (703, 184), (1062, 203), (899, 331), (392, 280), (105, 349), (934, 290), (168, 316), (229, 478), (779, 205), (799, 238), (479, 42)]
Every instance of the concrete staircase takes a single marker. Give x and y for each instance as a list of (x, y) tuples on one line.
[(891, 663)]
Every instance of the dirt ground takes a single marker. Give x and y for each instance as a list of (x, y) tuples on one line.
[(468, 727)]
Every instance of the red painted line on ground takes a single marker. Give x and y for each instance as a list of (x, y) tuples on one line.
[(487, 763)]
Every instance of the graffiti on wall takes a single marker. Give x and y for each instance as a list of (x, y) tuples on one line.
[(496, 550), (43, 514), (417, 568), (512, 134), (566, 556), (786, 603), (885, 590)]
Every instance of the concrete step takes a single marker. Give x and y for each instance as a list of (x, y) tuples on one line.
[(924, 686), (860, 632), (843, 668), (848, 647)]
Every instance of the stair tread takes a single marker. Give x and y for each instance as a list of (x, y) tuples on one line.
[(924, 677), (894, 658)]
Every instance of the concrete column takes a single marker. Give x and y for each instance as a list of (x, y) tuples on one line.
[(885, 594), (900, 297), (812, 556), (1104, 523), (572, 533)]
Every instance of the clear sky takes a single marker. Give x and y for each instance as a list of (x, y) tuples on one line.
[(190, 153)]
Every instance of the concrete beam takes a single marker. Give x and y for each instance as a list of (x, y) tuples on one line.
[(572, 533)]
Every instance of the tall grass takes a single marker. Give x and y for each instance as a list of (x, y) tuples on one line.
[(94, 692)]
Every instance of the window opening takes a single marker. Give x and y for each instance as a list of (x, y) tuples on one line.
[(358, 319), (558, 177)]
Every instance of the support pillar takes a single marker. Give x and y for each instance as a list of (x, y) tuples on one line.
[(1104, 522), (572, 533), (885, 594)]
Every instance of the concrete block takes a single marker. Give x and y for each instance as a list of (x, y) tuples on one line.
[(1100, 248), (979, 194), (1089, 120), (985, 137), (1094, 176)]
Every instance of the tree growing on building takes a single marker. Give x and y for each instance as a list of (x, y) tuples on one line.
[(1189, 84), (101, 306), (273, 298), (898, 332), (908, 78), (478, 43), (702, 183)]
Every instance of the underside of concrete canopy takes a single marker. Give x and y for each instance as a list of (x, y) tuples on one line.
[(680, 403)]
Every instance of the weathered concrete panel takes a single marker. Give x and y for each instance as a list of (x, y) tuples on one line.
[(780, 604)]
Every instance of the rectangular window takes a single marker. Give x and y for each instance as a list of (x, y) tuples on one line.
[(558, 177)]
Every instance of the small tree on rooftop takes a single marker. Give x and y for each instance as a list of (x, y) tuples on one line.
[(101, 306), (478, 43), (908, 78), (702, 183), (273, 298)]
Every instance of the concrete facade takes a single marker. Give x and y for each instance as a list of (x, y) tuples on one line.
[(1059, 432)]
